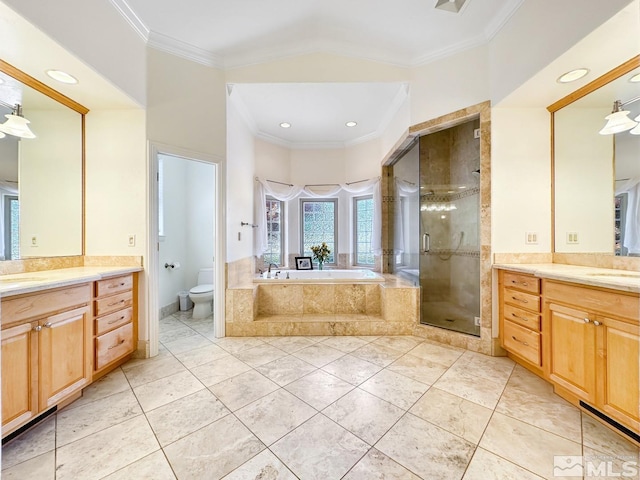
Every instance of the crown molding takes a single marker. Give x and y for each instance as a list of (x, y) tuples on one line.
[(500, 20), (259, 56), (132, 19), (181, 49)]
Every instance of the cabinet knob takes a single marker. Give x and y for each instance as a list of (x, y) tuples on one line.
[(586, 320), (37, 328), (47, 325), (596, 323)]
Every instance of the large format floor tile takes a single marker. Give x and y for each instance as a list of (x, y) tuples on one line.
[(275, 415), (213, 451), (427, 450), (306, 450), (364, 415), (526, 445), (281, 408)]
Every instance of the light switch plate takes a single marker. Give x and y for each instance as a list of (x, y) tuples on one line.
[(531, 238), (572, 238)]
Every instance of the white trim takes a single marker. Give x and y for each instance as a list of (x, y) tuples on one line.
[(132, 18), (502, 18), (219, 226), (181, 49)]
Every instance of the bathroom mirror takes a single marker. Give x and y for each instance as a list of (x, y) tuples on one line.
[(596, 176), (41, 178)]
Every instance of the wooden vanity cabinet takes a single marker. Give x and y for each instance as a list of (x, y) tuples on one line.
[(46, 345), (114, 326), (593, 348), (19, 375), (520, 321)]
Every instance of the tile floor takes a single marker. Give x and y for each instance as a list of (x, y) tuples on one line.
[(358, 408)]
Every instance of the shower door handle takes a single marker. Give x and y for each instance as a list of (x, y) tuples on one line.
[(426, 243)]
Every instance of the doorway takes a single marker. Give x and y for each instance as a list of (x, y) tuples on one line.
[(437, 225), (184, 238)]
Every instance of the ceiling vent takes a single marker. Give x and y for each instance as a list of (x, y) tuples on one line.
[(450, 5)]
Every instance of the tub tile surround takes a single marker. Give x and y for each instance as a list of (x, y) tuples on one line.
[(320, 411), (386, 308)]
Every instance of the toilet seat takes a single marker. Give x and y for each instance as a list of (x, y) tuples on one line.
[(201, 289)]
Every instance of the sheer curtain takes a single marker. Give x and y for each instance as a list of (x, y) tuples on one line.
[(632, 219), (285, 193)]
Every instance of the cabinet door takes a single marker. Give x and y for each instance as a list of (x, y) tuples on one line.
[(65, 358), (19, 376), (618, 370), (572, 355)]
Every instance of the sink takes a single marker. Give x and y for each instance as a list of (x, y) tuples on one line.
[(625, 275)]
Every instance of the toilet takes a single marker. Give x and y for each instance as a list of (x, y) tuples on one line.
[(202, 294)]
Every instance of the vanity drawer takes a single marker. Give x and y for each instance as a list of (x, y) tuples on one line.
[(522, 300), (522, 342), (113, 303), (45, 303), (522, 317), (113, 320), (609, 302), (113, 285), (522, 282), (114, 345)]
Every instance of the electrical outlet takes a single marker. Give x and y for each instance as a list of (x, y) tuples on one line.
[(34, 240), (572, 238), (131, 241), (531, 238)]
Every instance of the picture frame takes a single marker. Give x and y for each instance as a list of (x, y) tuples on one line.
[(304, 263)]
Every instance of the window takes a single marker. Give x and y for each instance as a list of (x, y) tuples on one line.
[(319, 220), (363, 223), (11, 227), (275, 231)]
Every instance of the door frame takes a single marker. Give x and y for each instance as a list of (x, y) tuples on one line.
[(153, 245)]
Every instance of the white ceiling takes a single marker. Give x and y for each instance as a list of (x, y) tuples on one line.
[(231, 33), (318, 112)]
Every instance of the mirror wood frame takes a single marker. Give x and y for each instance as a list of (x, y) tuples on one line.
[(37, 85), (590, 87)]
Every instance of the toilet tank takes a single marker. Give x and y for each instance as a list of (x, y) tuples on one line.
[(205, 276)]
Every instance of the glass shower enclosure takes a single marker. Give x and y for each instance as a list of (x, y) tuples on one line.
[(436, 234)]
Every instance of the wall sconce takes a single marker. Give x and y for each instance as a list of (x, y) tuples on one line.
[(16, 124), (618, 120)]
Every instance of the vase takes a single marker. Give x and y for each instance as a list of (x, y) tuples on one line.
[(320, 264)]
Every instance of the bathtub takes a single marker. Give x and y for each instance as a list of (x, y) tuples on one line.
[(320, 276)]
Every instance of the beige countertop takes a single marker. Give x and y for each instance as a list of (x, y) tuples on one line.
[(624, 280), (29, 282)]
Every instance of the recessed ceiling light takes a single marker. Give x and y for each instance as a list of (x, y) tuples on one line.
[(63, 77), (572, 75), (285, 125), (351, 124), (635, 78)]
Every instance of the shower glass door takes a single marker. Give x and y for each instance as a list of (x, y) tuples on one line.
[(449, 214)]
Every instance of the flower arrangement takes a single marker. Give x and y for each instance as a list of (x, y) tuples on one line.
[(320, 253)]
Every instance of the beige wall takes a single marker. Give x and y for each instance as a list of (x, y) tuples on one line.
[(116, 179), (520, 179)]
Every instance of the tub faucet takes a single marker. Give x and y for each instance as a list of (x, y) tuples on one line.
[(269, 271)]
